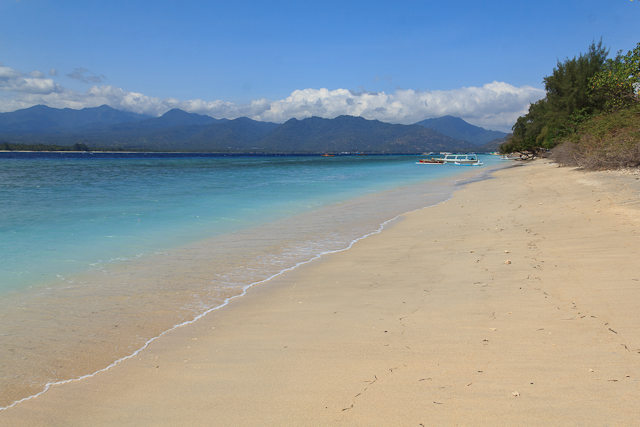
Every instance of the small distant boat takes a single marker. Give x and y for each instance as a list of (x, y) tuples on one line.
[(327, 155), (430, 161)]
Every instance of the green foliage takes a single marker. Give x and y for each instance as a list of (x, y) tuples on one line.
[(606, 126), (619, 82), (608, 141), (568, 86), (567, 104)]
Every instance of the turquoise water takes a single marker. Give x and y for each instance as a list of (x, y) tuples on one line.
[(103, 253), (59, 216)]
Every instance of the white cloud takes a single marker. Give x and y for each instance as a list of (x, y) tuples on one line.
[(6, 72), (495, 105), (35, 82)]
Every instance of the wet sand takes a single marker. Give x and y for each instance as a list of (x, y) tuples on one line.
[(513, 303)]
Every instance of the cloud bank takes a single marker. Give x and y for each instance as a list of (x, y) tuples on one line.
[(495, 105), (34, 82)]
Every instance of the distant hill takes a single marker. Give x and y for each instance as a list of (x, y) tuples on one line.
[(348, 133), (241, 134), (457, 128), (492, 145), (43, 119), (238, 135), (171, 118), (107, 128)]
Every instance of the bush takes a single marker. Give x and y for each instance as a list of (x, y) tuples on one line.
[(608, 141)]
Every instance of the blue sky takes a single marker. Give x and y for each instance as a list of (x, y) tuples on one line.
[(399, 61)]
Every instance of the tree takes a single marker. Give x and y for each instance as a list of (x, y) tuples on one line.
[(618, 83), (566, 105), (568, 87)]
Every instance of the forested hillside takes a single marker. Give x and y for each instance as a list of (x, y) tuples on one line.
[(103, 128), (457, 128)]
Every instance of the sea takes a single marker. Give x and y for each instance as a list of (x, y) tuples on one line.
[(104, 252)]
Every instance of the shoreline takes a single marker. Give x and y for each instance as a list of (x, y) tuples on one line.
[(225, 302), (435, 329), (222, 153), (106, 364)]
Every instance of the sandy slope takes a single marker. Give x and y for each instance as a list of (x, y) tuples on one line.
[(514, 303)]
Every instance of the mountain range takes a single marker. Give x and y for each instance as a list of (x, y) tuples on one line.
[(176, 130), (457, 128)]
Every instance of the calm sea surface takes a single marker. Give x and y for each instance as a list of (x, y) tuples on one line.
[(102, 252)]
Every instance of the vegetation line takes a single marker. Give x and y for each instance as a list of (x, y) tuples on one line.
[(590, 117)]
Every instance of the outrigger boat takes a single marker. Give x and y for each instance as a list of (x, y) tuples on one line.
[(462, 160), (452, 159), (430, 161)]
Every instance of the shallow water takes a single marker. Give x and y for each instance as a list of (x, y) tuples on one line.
[(105, 254)]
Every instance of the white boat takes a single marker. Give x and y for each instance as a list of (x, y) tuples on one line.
[(462, 160)]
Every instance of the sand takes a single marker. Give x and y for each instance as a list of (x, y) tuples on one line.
[(513, 303)]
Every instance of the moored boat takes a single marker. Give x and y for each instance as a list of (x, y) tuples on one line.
[(430, 161), (462, 160)]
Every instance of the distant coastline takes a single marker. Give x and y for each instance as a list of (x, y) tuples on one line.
[(207, 153), (107, 129)]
